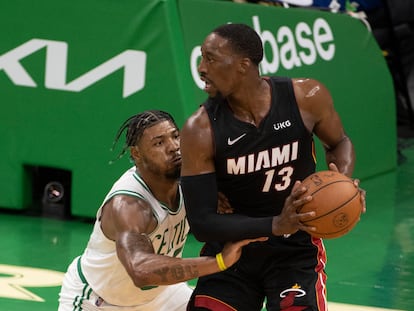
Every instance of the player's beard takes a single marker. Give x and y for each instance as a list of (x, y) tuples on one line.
[(172, 173)]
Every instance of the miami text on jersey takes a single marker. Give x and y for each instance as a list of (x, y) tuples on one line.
[(263, 159)]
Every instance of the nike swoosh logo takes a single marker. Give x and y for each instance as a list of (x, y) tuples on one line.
[(233, 141)]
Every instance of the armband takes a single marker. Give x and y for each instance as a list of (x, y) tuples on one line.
[(220, 262)]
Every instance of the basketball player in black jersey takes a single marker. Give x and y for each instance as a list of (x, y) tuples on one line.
[(254, 143)]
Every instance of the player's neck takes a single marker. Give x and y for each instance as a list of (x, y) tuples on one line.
[(169, 197), (251, 104), (164, 190)]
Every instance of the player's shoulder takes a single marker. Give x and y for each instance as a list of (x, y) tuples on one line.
[(308, 89), (194, 119), (307, 84), (198, 120), (128, 213)]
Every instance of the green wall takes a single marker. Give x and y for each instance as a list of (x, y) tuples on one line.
[(70, 73)]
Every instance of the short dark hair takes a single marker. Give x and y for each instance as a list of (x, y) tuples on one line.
[(243, 39), (136, 125)]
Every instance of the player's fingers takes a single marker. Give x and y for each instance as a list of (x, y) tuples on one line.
[(306, 216), (223, 206), (356, 182), (333, 167), (306, 228), (248, 241), (301, 201), (222, 197), (297, 190), (363, 194)]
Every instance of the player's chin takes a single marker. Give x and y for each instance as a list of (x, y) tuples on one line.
[(174, 172), (210, 90)]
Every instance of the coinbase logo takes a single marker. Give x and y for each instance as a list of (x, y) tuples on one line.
[(287, 48)]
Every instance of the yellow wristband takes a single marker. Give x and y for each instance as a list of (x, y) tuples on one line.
[(220, 262)]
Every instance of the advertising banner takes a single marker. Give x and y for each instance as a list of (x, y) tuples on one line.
[(72, 72)]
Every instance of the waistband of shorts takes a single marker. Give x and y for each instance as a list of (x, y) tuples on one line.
[(98, 301)]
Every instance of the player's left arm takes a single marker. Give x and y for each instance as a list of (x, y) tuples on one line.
[(129, 220), (320, 117)]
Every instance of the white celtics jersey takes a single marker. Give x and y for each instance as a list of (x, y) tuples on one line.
[(100, 264)]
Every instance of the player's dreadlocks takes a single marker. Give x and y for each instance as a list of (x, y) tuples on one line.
[(136, 125)]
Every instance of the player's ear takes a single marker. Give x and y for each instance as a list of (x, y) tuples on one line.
[(244, 65), (135, 154)]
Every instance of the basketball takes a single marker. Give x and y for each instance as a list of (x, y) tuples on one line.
[(336, 202)]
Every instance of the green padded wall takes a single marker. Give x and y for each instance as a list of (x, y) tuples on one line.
[(73, 71)]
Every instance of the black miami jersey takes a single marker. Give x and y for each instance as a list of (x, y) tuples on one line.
[(256, 167)]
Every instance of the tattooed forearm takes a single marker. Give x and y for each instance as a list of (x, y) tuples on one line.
[(177, 272), (192, 271), (162, 273), (150, 269)]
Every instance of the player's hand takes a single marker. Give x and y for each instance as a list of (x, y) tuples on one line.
[(332, 167), (362, 192), (223, 206), (290, 221), (232, 250), (362, 195)]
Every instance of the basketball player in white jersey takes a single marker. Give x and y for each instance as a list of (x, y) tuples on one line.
[(133, 257)]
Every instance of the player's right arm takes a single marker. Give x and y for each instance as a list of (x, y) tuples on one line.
[(198, 181), (127, 220)]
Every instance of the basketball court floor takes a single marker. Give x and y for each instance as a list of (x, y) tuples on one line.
[(369, 269)]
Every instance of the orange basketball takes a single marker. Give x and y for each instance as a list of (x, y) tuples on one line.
[(336, 201)]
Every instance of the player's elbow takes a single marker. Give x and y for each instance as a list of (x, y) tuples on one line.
[(140, 270), (141, 279)]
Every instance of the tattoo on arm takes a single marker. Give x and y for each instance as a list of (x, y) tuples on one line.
[(168, 271), (177, 272)]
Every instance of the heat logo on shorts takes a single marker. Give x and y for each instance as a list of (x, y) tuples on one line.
[(288, 295)]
